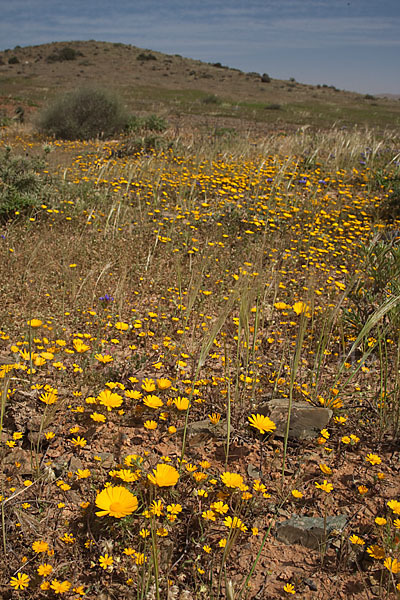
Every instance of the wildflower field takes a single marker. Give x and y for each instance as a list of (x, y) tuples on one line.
[(153, 304)]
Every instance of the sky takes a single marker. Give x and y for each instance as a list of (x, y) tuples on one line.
[(351, 44)]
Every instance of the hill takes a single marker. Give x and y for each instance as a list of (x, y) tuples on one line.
[(182, 89)]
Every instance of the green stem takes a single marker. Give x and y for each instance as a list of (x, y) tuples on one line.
[(2, 411), (155, 556), (257, 558), (228, 413), (293, 372), (30, 355)]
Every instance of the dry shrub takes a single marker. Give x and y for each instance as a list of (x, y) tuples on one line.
[(84, 114)]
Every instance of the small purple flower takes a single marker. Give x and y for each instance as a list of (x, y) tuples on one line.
[(106, 298), (303, 180)]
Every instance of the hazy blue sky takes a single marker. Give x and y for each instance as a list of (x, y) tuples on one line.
[(352, 44)]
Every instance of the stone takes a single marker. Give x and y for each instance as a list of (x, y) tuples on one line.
[(310, 584), (24, 457), (203, 431), (311, 532), (75, 463), (306, 420)]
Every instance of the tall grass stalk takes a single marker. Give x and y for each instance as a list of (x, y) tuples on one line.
[(396, 393), (255, 562), (30, 353), (204, 351), (154, 551), (4, 393), (323, 343), (293, 372), (232, 536), (228, 407), (246, 338), (383, 379), (371, 322)]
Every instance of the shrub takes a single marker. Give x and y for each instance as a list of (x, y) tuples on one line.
[(5, 120), (150, 123), (390, 207), (84, 114), (211, 99), (65, 53), (225, 132), (265, 78), (137, 145), (146, 56), (155, 123), (13, 60), (20, 185), (273, 106)]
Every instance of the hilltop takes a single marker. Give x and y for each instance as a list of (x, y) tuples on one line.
[(182, 89)]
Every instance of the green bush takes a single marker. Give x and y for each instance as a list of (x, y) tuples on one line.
[(20, 185), (65, 53), (390, 207), (5, 120), (141, 144), (211, 99), (155, 123), (146, 56), (150, 123), (273, 106), (84, 114)]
